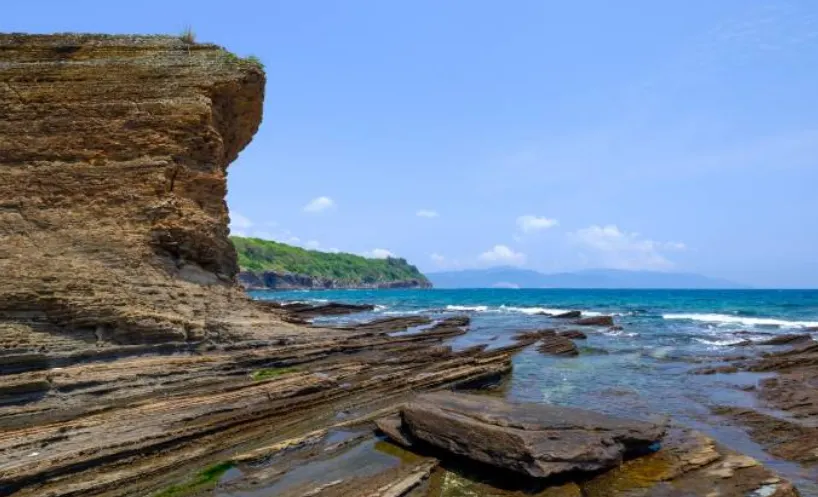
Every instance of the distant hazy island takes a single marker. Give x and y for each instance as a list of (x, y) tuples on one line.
[(511, 277), (268, 264)]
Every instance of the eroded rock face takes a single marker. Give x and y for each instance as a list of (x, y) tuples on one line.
[(534, 439), (113, 224)]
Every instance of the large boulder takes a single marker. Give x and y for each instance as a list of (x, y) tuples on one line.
[(533, 439)]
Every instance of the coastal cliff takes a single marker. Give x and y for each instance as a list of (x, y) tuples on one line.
[(130, 358), (267, 264), (112, 211)]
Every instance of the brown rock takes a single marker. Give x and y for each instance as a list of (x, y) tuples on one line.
[(783, 438), (573, 334), (533, 439), (788, 339), (557, 345), (113, 187), (392, 427), (568, 315), (595, 321), (330, 309), (534, 334), (729, 368)]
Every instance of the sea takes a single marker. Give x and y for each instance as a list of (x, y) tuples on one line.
[(639, 371)]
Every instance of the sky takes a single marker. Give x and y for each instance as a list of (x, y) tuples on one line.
[(557, 136)]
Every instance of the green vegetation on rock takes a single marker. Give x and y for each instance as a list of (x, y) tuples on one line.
[(266, 374), (204, 479), (256, 255)]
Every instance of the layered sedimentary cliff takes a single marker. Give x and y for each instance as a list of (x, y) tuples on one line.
[(113, 222)]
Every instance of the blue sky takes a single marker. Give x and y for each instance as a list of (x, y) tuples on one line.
[(552, 135)]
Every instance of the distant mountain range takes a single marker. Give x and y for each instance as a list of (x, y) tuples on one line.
[(511, 277)]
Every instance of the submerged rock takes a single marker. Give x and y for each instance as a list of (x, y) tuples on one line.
[(533, 439), (573, 334), (557, 345), (534, 335), (788, 339), (568, 315), (595, 321)]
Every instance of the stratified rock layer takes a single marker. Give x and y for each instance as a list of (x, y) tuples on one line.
[(113, 224)]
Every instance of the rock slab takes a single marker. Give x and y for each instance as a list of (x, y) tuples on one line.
[(533, 439)]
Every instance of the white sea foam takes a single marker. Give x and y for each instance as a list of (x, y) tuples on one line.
[(405, 313), (726, 320), (619, 333), (467, 308), (722, 343), (545, 310), (379, 308)]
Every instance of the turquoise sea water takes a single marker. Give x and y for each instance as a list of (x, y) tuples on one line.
[(639, 371)]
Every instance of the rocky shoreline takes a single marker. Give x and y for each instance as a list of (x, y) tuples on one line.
[(132, 363)]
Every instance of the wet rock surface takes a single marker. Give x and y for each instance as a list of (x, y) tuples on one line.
[(595, 321), (573, 334), (559, 345), (533, 439), (568, 315)]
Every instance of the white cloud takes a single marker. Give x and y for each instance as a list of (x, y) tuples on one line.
[(239, 222), (530, 224), (333, 250), (319, 204), (501, 254), (426, 213), (379, 253), (437, 258), (264, 235), (312, 244), (622, 250)]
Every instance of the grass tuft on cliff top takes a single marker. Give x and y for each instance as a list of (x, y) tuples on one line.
[(259, 255)]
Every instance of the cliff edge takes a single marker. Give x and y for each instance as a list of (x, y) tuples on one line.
[(113, 223)]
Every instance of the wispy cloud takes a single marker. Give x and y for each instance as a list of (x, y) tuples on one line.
[(319, 204), (379, 253), (239, 223), (530, 224), (502, 254), (612, 247), (427, 213)]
